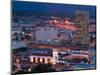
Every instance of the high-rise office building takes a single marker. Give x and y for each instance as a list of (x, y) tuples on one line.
[(81, 22)]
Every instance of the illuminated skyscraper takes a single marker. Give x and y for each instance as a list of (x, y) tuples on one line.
[(81, 22)]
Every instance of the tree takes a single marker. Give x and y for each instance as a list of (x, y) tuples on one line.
[(40, 68)]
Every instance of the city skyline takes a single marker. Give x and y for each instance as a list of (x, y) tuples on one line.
[(51, 37)]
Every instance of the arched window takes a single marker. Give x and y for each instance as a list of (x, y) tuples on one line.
[(43, 60), (48, 60), (38, 60), (34, 60)]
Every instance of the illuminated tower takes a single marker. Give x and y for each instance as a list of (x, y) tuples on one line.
[(55, 56), (81, 22)]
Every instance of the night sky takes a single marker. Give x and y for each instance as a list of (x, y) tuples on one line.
[(52, 8)]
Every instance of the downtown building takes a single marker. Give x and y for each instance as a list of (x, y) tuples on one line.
[(82, 23)]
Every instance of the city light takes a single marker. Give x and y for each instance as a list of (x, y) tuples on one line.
[(31, 58), (53, 61), (65, 25), (59, 41)]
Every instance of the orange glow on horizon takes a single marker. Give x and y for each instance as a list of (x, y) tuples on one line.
[(66, 24)]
